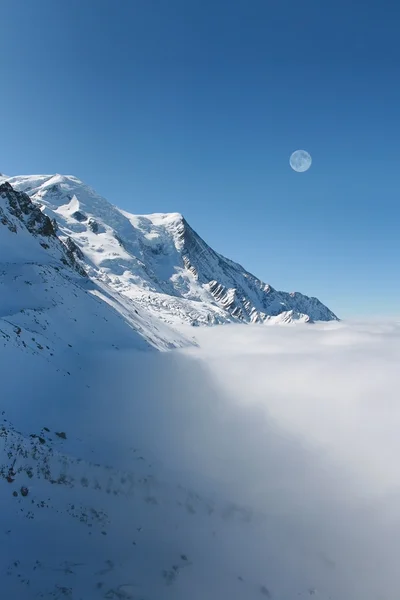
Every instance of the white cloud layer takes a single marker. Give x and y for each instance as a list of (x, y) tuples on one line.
[(301, 425), (284, 442)]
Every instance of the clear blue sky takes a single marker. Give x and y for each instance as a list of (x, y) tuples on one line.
[(196, 105)]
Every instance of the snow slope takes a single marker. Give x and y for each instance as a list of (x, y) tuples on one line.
[(159, 261), (48, 305)]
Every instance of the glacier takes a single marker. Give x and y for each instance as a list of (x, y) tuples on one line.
[(159, 261)]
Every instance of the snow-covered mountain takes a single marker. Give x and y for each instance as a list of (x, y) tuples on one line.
[(159, 261), (132, 474), (48, 305)]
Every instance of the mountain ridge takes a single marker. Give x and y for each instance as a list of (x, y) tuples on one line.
[(160, 261), (48, 303)]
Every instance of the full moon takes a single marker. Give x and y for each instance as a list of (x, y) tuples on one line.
[(300, 161)]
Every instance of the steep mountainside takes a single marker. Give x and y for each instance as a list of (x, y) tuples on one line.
[(159, 260), (47, 302)]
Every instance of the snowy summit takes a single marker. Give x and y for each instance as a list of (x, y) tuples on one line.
[(158, 261)]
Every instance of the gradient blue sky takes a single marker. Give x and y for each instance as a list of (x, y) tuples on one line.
[(196, 105)]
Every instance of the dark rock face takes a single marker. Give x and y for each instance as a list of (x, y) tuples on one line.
[(73, 253), (5, 221), (79, 216), (93, 225), (72, 247), (21, 206), (239, 292)]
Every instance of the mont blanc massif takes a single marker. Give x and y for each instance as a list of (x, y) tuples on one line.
[(148, 398), (154, 270)]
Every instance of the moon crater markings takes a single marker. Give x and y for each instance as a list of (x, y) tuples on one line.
[(300, 161)]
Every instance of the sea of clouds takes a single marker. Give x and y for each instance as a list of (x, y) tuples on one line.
[(289, 433), (301, 425)]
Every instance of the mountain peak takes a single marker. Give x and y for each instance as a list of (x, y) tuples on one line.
[(160, 261)]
